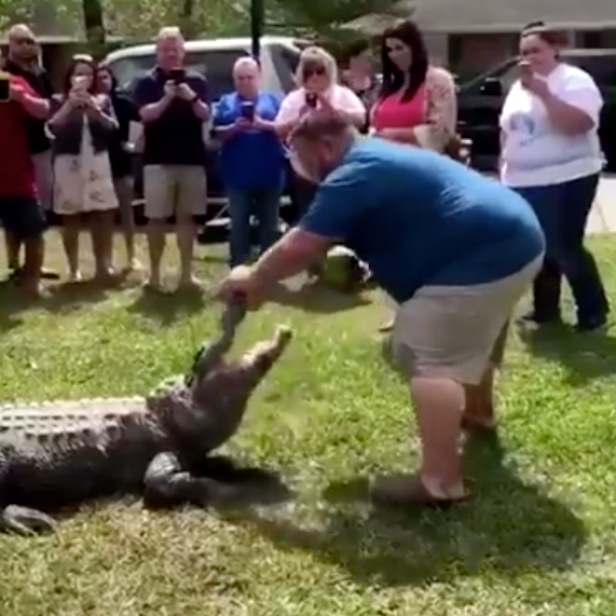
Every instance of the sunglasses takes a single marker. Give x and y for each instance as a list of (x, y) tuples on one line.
[(317, 70), (26, 40)]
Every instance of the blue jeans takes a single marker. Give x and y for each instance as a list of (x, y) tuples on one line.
[(265, 206), (562, 210)]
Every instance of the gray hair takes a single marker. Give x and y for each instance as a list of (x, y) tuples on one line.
[(245, 61), (169, 32), (319, 56)]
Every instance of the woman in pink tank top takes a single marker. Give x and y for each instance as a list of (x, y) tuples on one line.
[(417, 102)]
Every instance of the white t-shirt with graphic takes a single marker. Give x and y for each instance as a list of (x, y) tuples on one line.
[(534, 153)]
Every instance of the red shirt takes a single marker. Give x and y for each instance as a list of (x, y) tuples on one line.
[(16, 169), (391, 112)]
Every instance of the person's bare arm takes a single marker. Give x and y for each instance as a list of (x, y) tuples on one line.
[(33, 105), (567, 118), (153, 111), (292, 254), (102, 110), (60, 117)]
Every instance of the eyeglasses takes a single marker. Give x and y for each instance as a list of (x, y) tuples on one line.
[(24, 40), (317, 70)]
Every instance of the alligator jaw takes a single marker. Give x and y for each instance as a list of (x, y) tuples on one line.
[(24, 521)]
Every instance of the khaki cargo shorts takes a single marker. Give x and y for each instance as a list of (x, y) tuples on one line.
[(174, 190), (458, 332)]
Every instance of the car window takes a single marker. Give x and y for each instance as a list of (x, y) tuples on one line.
[(285, 60), (215, 65)]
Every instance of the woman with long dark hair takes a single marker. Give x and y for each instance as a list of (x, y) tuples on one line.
[(82, 125), (120, 157), (417, 102)]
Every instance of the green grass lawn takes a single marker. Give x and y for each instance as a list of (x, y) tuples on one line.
[(539, 536)]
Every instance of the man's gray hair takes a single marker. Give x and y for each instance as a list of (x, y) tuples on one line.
[(323, 123), (169, 32)]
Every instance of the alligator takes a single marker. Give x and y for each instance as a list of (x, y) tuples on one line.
[(158, 448)]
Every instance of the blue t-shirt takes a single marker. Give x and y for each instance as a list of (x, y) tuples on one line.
[(176, 138), (251, 159), (419, 218)]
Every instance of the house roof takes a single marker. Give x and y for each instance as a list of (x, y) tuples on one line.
[(478, 16)]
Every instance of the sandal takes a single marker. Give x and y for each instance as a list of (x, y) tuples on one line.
[(478, 426), (407, 491)]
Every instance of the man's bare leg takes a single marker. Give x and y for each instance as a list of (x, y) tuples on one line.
[(13, 247), (156, 245), (479, 409), (186, 233), (31, 277), (439, 404)]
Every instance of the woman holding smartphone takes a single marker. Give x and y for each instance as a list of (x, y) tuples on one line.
[(82, 126), (318, 88), (551, 155)]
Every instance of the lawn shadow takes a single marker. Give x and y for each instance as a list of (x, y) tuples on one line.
[(586, 356), (12, 304), (68, 296), (168, 307), (507, 526), (316, 297)]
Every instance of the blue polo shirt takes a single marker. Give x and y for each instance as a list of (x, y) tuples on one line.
[(176, 138), (418, 218), (251, 159)]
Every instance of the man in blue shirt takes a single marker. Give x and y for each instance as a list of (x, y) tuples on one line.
[(172, 104), (252, 159), (456, 250)]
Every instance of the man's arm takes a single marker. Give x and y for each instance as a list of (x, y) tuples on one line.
[(33, 105), (151, 110), (292, 254), (200, 106)]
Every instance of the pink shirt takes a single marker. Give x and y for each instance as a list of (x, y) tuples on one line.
[(391, 112)]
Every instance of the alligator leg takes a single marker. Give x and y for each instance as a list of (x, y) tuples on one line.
[(168, 484), (24, 521)]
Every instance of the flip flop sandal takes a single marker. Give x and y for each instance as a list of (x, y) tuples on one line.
[(408, 491), (478, 427)]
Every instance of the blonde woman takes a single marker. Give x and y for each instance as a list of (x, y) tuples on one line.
[(318, 88)]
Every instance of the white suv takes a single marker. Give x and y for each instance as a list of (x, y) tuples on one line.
[(214, 58)]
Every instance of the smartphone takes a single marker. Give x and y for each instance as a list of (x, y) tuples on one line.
[(5, 87), (177, 75), (311, 100), (79, 82), (248, 110)]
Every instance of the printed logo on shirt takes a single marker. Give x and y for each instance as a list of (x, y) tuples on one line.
[(523, 127)]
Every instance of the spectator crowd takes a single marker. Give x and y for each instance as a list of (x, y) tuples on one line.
[(454, 287), (69, 151)]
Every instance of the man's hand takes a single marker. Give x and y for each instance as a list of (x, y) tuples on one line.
[(186, 93), (171, 90), (243, 123), (242, 282)]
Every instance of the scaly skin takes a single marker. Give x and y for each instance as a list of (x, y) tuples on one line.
[(159, 451)]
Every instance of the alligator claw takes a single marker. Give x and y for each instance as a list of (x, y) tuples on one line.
[(24, 521)]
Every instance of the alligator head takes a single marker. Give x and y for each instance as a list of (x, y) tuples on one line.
[(208, 404)]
